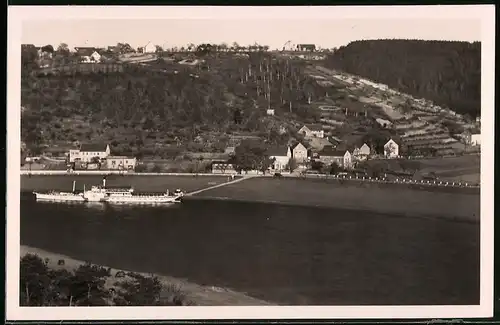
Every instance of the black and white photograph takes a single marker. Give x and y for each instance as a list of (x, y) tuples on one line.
[(277, 162)]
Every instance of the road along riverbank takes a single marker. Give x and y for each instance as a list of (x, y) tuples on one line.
[(198, 294)]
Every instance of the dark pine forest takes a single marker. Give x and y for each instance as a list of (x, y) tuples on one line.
[(448, 73)]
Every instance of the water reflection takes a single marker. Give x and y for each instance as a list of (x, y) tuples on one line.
[(95, 206)]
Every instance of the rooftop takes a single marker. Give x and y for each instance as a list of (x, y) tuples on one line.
[(119, 157), (314, 127), (331, 152), (277, 151), (93, 147)]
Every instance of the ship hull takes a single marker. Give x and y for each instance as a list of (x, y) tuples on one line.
[(59, 197), (143, 200)]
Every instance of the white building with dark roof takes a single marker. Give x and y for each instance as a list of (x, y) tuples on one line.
[(330, 155), (87, 152), (312, 130), (281, 156)]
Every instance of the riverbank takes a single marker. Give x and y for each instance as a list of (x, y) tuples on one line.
[(199, 295), (401, 199), (145, 183), (27, 172)]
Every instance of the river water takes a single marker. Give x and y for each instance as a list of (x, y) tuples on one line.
[(283, 254)]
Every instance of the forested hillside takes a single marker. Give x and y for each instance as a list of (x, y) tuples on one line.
[(166, 103), (449, 73)]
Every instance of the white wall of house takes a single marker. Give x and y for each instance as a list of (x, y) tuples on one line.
[(309, 134), (347, 160), (93, 58), (280, 162), (150, 48), (300, 153), (96, 57), (223, 168), (44, 54), (475, 139), (365, 150), (318, 134), (362, 153), (74, 154), (391, 149), (120, 162), (86, 156), (305, 131)]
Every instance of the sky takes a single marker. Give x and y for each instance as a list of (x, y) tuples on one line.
[(84, 30)]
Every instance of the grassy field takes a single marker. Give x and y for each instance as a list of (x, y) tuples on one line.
[(390, 199), (462, 177), (450, 163), (461, 168), (139, 182)]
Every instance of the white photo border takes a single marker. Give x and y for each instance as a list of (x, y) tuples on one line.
[(19, 14)]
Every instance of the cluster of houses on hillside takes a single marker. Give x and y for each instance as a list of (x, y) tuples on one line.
[(86, 54), (345, 157), (301, 155)]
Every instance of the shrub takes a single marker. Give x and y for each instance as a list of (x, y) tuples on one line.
[(140, 168), (156, 168)]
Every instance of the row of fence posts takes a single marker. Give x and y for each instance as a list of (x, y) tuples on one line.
[(405, 181)]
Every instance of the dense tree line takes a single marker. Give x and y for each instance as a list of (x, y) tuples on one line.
[(449, 73), (86, 286)]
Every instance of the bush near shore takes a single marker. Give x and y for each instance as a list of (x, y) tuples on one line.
[(91, 285)]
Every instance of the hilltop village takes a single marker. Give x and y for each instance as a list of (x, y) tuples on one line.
[(230, 109)]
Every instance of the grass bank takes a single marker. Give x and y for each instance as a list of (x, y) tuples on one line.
[(383, 198), (199, 295), (187, 183)]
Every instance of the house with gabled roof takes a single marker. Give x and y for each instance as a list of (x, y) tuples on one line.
[(391, 149), (300, 153), (148, 48), (88, 152), (281, 156), (88, 54), (312, 130), (306, 47), (361, 153), (330, 155)]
